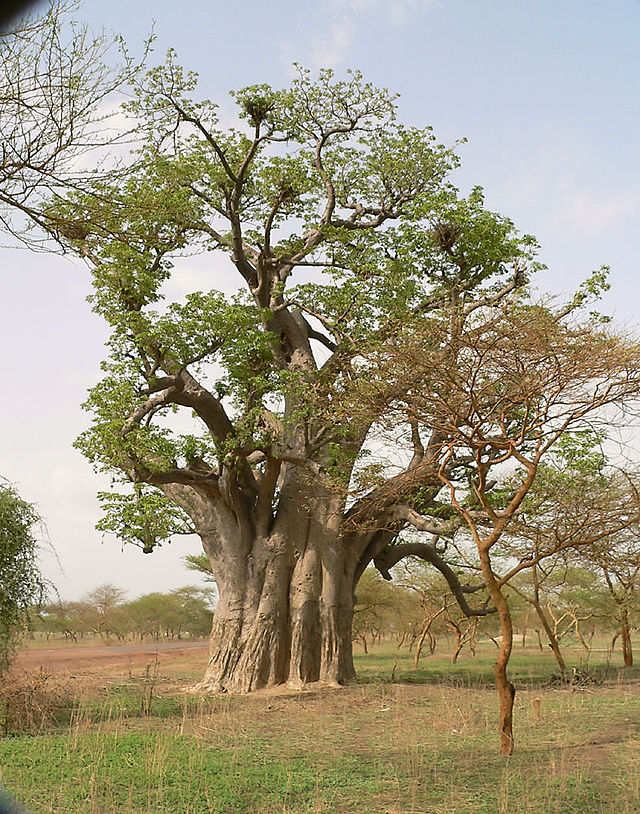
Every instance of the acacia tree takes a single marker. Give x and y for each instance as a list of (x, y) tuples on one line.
[(103, 610), (578, 467), (533, 592), (510, 388), (576, 581), (618, 560)]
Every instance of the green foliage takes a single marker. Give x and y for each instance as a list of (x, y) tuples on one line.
[(201, 564), (370, 286), (400, 239), (145, 518), (21, 584)]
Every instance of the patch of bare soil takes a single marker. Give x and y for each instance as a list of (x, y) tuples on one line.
[(598, 753), (79, 659)]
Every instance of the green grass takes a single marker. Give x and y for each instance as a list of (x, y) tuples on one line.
[(421, 745), (528, 667)]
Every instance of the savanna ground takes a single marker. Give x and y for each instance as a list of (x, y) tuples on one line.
[(101, 735)]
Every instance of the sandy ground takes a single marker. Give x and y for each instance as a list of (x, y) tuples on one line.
[(76, 658)]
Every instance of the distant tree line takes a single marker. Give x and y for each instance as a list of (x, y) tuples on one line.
[(184, 613)]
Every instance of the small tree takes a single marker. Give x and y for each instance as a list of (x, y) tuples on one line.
[(374, 606), (21, 583), (102, 610), (572, 586), (510, 390), (59, 617), (618, 560)]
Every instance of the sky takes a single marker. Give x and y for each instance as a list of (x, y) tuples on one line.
[(546, 94)]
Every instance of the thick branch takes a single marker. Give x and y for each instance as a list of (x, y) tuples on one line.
[(408, 515), (392, 555)]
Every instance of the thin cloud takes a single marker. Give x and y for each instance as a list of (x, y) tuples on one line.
[(336, 26), (555, 179), (331, 51)]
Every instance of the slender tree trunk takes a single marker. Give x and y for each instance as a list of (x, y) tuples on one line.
[(420, 642), (456, 652), (584, 644), (459, 642), (614, 639), (553, 640), (426, 633), (506, 690), (625, 633)]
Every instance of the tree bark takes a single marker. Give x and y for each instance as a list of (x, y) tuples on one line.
[(285, 621), (506, 690), (285, 608), (625, 634)]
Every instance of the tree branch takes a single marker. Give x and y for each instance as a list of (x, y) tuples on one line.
[(392, 555)]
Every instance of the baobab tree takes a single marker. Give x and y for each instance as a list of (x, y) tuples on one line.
[(343, 227)]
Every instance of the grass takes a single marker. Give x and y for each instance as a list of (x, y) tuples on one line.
[(424, 744)]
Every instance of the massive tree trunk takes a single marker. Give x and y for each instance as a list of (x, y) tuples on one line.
[(284, 616), (286, 598)]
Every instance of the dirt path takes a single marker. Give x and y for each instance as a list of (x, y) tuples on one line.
[(70, 659)]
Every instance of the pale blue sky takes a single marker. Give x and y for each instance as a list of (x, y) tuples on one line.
[(546, 92)]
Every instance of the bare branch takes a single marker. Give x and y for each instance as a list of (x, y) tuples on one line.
[(392, 555)]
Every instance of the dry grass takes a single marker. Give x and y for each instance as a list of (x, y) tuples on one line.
[(131, 741)]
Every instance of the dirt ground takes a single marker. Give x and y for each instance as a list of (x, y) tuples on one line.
[(77, 659)]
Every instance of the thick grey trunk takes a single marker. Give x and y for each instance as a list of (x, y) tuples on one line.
[(285, 607), (284, 617)]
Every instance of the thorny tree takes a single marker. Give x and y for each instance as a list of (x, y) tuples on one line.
[(56, 110), (512, 395), (618, 561), (570, 493)]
